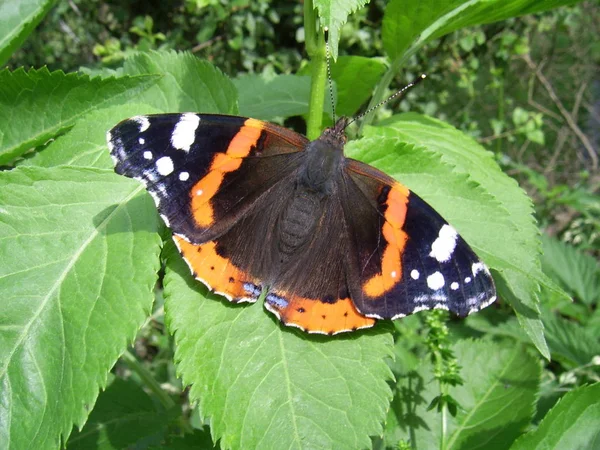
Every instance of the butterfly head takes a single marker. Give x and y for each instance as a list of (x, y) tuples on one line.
[(335, 135)]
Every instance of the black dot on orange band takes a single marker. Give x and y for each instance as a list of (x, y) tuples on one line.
[(300, 310), (231, 280)]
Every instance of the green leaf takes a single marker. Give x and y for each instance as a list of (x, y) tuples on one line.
[(574, 423), (463, 182), (123, 416), (280, 96), (188, 84), (85, 144), (577, 271), (72, 241), (17, 21), (352, 91), (269, 386), (570, 342), (38, 105), (496, 401), (333, 14), (407, 26), (197, 440)]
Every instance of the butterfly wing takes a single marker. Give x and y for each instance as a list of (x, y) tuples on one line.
[(406, 257), (205, 173)]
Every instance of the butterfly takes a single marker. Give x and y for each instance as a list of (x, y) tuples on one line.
[(334, 243)]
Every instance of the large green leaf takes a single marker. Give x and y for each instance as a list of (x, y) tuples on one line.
[(569, 342), (79, 253), (333, 14), (486, 206), (407, 26), (574, 423), (577, 271), (187, 83), (267, 386), (123, 416), (267, 99), (85, 144), (38, 105), (496, 402), (18, 18)]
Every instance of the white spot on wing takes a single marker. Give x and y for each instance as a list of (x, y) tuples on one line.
[(199, 192), (477, 267), (165, 220), (142, 121), (184, 133), (443, 247), (142, 141), (164, 165), (184, 176), (147, 154), (393, 274), (468, 280), (435, 281), (454, 286), (109, 141), (414, 274), (155, 198)]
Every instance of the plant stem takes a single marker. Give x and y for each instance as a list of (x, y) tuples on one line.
[(500, 114), (443, 392), (315, 47), (310, 28), (443, 440), (149, 381)]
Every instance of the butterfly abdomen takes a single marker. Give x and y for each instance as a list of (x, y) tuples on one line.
[(298, 221)]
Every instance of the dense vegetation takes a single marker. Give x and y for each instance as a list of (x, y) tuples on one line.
[(102, 326)]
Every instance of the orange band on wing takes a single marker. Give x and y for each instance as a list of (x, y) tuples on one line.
[(316, 316), (222, 163), (215, 271), (395, 238)]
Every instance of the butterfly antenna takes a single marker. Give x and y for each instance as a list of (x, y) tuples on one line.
[(391, 97), (326, 30)]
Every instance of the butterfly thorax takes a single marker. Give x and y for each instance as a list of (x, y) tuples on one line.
[(316, 183)]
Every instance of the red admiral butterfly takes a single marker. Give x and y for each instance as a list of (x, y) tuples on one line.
[(335, 242)]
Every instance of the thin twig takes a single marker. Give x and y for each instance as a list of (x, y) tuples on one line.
[(205, 44), (578, 97), (560, 142), (574, 127)]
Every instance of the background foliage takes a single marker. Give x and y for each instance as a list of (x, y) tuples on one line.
[(84, 278)]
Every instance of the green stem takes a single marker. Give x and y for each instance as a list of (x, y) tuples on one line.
[(315, 47), (443, 392), (149, 381), (310, 27), (500, 114), (443, 440)]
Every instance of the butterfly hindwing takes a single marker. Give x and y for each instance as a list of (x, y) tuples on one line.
[(407, 258)]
